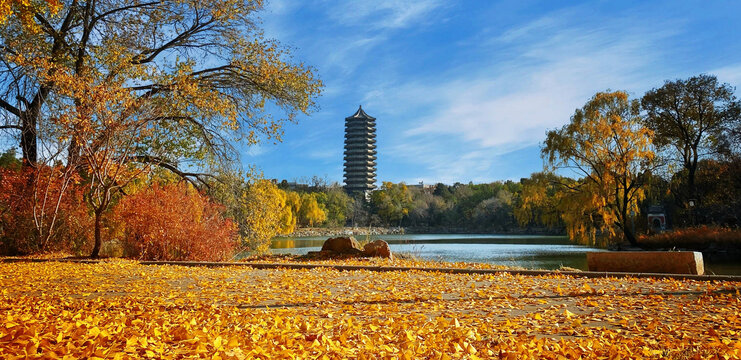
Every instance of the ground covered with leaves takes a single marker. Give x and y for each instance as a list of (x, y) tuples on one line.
[(122, 310)]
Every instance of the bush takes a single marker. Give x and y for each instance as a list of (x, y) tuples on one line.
[(697, 238), (42, 209), (174, 222)]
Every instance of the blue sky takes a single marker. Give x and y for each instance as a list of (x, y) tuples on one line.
[(466, 90)]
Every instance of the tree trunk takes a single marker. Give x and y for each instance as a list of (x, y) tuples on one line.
[(692, 191), (629, 234), (73, 152), (28, 138), (98, 241)]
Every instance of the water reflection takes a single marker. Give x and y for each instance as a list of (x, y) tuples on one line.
[(533, 252), (527, 251), (283, 243)]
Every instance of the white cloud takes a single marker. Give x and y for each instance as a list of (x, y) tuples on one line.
[(256, 150), (493, 109), (383, 14), (729, 74), (343, 56), (325, 154)]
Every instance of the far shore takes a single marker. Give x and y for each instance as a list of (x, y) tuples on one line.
[(375, 230)]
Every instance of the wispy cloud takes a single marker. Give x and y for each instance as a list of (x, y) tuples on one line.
[(729, 74), (502, 107), (256, 150), (384, 14), (460, 96)]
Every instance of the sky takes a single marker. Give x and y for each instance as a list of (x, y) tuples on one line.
[(465, 91)]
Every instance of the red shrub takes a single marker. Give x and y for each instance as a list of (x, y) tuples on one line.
[(174, 222), (693, 238), (42, 209)]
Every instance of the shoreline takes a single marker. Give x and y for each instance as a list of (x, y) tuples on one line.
[(361, 231), (346, 231)]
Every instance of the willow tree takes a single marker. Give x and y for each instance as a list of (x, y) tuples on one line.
[(539, 201), (608, 148), (204, 67)]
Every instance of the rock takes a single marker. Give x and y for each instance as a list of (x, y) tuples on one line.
[(378, 248), (342, 245)]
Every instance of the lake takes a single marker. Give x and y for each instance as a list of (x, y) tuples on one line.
[(527, 251)]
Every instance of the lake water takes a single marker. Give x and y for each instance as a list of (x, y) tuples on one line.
[(527, 251)]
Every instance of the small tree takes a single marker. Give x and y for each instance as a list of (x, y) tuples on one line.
[(41, 209), (266, 215), (539, 200), (605, 144)]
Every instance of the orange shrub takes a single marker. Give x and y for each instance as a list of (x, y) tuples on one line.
[(693, 238), (174, 222), (42, 209)]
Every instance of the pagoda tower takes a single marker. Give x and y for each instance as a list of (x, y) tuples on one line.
[(360, 153)]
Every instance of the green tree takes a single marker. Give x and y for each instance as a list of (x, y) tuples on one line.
[(392, 202), (690, 119), (606, 144), (336, 204), (8, 160)]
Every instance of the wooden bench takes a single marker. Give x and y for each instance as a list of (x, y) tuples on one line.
[(659, 262)]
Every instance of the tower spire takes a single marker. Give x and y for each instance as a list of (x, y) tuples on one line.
[(360, 152)]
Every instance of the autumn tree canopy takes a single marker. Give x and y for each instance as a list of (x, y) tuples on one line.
[(605, 144), (24, 10), (203, 69), (392, 202), (691, 119)]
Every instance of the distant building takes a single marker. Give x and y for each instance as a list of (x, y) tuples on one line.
[(656, 218), (360, 153), (422, 186)]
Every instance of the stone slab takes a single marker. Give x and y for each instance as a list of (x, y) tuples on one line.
[(659, 262)]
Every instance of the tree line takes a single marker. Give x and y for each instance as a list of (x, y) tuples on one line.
[(677, 147)]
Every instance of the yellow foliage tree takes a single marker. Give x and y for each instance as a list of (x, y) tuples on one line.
[(291, 213), (539, 200), (204, 66), (606, 145), (311, 213), (24, 10), (293, 202), (265, 215), (124, 86)]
